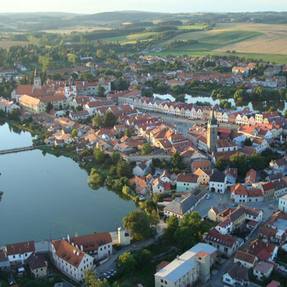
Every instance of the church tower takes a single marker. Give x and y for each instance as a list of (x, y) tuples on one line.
[(212, 127), (37, 80)]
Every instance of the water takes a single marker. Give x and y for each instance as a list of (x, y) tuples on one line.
[(48, 197)]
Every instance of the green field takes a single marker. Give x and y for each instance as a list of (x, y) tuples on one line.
[(193, 27)]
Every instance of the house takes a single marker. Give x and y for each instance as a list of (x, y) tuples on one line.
[(160, 186), (38, 266), (217, 182), (192, 266), (202, 163), (4, 261), (186, 182), (236, 276), (282, 205), (279, 166), (140, 184), (273, 283), (245, 259), (242, 193), (142, 168), (18, 253), (231, 175), (263, 270), (251, 177), (181, 206), (8, 106), (262, 250), (70, 260), (225, 244), (31, 104), (203, 176), (97, 245)]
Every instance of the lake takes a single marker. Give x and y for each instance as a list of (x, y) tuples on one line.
[(48, 197)]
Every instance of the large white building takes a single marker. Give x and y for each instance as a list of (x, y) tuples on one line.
[(18, 253), (192, 266), (282, 205), (70, 260)]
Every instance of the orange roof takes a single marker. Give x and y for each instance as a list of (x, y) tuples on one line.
[(68, 252)]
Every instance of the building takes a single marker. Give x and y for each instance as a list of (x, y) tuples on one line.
[(282, 205), (31, 104), (70, 260), (181, 206), (38, 266), (192, 266), (212, 127), (217, 182), (225, 244), (236, 276), (98, 245), (7, 106), (18, 253), (263, 270), (245, 259), (186, 182), (4, 261)]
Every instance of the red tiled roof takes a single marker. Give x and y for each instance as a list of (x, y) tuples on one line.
[(21, 248)]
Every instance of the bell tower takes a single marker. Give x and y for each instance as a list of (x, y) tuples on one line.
[(212, 127), (37, 80)]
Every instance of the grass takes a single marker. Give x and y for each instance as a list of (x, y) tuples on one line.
[(132, 38), (193, 27)]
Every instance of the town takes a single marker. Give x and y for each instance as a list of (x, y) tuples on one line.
[(215, 168)]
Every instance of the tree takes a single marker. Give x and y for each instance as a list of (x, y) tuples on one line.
[(177, 163), (44, 62), (248, 142), (97, 121), (146, 149), (127, 262), (101, 91), (172, 226), (49, 107), (74, 133), (116, 157), (124, 169), (95, 178), (139, 225), (72, 58), (99, 155), (109, 120), (92, 281)]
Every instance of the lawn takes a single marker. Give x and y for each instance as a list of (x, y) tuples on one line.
[(193, 27)]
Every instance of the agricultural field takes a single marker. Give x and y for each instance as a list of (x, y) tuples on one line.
[(256, 41)]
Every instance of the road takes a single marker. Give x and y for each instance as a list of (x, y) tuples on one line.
[(111, 263)]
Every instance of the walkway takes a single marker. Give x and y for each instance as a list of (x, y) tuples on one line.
[(17, 150)]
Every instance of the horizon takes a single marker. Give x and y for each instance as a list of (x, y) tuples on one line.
[(170, 6)]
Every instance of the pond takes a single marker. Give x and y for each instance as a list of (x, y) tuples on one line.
[(48, 197)]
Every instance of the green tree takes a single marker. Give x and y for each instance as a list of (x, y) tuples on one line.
[(92, 281), (109, 120), (72, 58), (99, 155), (177, 163), (146, 149), (101, 91), (74, 133), (172, 226), (97, 121), (44, 62), (49, 107), (124, 169), (95, 178), (139, 224), (127, 263)]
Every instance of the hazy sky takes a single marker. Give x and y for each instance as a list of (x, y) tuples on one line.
[(94, 6)]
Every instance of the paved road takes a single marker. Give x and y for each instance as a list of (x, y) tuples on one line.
[(111, 263)]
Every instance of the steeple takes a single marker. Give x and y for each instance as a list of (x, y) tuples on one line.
[(37, 80), (212, 127)]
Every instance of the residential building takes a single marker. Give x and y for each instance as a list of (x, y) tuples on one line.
[(282, 205), (97, 245), (70, 260), (263, 270), (192, 266), (245, 259), (18, 253), (236, 276), (217, 182), (186, 182), (38, 266)]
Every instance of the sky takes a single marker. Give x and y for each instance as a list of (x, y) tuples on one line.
[(94, 6)]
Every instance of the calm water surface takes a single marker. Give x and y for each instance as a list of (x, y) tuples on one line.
[(48, 197)]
